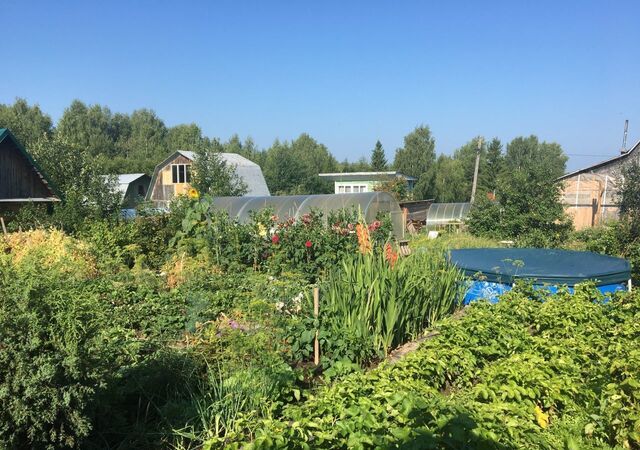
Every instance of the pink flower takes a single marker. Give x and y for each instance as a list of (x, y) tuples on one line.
[(374, 226), (275, 239), (308, 244)]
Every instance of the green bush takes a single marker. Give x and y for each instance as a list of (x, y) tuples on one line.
[(56, 354)]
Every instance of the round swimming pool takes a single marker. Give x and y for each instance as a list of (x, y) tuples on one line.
[(493, 271)]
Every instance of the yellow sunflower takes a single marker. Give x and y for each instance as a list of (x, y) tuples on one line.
[(193, 193)]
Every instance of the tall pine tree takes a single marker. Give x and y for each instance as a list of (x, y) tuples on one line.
[(378, 159)]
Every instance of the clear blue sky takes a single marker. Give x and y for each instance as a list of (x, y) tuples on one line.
[(347, 73)]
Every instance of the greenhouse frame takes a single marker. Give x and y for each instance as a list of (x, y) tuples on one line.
[(444, 214), (370, 204)]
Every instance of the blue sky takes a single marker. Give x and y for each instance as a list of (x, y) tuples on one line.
[(347, 73)]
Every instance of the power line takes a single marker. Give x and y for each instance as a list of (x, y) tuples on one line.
[(582, 154)]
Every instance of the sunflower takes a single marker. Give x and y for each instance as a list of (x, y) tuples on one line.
[(193, 193)]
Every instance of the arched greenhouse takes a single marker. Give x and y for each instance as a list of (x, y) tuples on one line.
[(443, 214), (370, 204)]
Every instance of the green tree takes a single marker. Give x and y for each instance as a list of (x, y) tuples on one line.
[(528, 205), (417, 158), (184, 137), (213, 176), (361, 165), (86, 193), (27, 123), (494, 165), (541, 159), (89, 128), (147, 144), (293, 168), (629, 194), (450, 183), (378, 159)]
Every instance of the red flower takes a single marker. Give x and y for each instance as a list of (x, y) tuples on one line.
[(308, 244), (275, 239)]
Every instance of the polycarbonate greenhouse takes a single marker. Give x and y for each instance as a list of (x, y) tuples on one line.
[(370, 204), (441, 214)]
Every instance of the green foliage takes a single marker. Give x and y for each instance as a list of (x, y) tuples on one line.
[(27, 123), (384, 303), (615, 239), (629, 193), (417, 158), (528, 207), (307, 245), (398, 187), (378, 158), (520, 374), (450, 182), (213, 176), (292, 168), (56, 356)]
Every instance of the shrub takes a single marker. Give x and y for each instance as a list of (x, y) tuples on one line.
[(56, 354)]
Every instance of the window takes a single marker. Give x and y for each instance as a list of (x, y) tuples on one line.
[(347, 189), (181, 173), (340, 189), (141, 190), (363, 189)]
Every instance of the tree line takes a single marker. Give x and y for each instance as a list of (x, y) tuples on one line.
[(90, 139)]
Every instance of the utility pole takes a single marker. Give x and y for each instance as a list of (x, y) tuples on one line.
[(475, 171)]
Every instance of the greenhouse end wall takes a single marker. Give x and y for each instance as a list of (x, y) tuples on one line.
[(294, 206)]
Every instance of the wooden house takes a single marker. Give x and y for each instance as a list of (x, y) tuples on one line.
[(590, 195), (133, 188), (172, 177), (22, 181)]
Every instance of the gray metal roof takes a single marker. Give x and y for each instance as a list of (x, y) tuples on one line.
[(246, 169), (601, 163), (123, 181)]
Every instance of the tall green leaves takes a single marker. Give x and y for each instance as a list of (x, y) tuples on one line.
[(387, 305)]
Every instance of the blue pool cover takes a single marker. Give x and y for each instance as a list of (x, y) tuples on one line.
[(493, 271)]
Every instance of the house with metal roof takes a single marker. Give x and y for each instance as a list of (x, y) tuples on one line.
[(172, 177), (356, 182), (22, 181), (590, 194), (132, 188)]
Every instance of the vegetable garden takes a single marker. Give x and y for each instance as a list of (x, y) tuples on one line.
[(194, 331)]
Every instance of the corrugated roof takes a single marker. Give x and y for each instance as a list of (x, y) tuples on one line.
[(601, 163), (124, 180), (246, 169)]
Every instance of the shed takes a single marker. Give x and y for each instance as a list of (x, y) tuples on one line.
[(22, 181), (590, 194), (172, 176), (133, 188)]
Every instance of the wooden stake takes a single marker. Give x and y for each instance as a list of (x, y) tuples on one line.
[(316, 313), (4, 228)]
